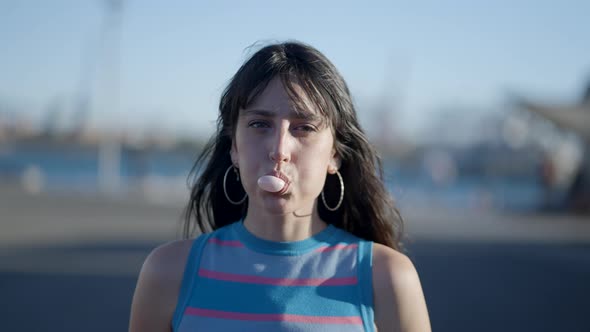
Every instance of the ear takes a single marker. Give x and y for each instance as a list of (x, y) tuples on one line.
[(335, 163), (233, 152)]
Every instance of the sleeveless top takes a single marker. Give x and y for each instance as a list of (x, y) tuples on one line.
[(235, 281)]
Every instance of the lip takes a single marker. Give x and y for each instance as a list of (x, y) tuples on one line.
[(283, 177)]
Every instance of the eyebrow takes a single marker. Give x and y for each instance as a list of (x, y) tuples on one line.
[(301, 115)]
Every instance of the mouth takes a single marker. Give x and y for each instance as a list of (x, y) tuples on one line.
[(283, 177)]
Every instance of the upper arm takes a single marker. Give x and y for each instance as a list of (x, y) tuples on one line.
[(158, 286), (399, 300)]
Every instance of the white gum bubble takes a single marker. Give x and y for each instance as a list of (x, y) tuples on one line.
[(270, 183)]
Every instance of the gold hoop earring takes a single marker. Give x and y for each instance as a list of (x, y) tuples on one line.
[(341, 195), (225, 190)]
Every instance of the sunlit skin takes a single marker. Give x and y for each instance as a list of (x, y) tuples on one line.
[(272, 135)]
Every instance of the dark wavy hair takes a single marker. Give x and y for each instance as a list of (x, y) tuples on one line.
[(367, 211)]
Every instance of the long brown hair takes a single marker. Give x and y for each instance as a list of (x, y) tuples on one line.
[(367, 211)]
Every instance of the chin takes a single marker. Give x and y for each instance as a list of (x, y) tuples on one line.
[(277, 205), (284, 205)]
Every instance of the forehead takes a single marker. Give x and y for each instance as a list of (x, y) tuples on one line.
[(277, 98)]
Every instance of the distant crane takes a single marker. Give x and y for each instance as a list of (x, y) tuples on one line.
[(106, 59)]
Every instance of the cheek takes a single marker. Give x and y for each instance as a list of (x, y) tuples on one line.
[(246, 150), (249, 172), (313, 169), (313, 181), (248, 165)]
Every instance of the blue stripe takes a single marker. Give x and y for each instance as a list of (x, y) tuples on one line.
[(293, 248), (365, 274), (241, 260), (186, 288), (299, 300), (196, 323), (225, 233)]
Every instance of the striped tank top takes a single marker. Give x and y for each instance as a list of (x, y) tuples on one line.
[(235, 281)]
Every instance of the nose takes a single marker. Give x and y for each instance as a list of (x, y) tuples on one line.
[(280, 149), (279, 157)]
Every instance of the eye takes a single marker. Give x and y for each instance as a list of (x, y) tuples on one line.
[(258, 124), (306, 127)]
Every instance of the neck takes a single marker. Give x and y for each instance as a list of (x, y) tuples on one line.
[(294, 226)]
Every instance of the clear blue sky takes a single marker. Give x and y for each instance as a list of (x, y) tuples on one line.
[(176, 56)]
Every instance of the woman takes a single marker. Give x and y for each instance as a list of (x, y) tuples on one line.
[(299, 232)]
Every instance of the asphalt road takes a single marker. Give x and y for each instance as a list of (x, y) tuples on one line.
[(477, 286)]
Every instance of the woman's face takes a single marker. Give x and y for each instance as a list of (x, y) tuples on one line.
[(273, 135)]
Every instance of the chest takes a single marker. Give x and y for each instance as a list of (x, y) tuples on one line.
[(240, 290)]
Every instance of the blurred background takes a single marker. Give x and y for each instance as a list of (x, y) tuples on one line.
[(481, 111)]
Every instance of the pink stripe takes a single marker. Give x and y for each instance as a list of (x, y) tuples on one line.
[(226, 243), (337, 247), (355, 320), (277, 281)]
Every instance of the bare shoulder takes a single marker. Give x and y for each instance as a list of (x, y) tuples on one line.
[(391, 265), (398, 296), (167, 262), (158, 285), (383, 256)]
